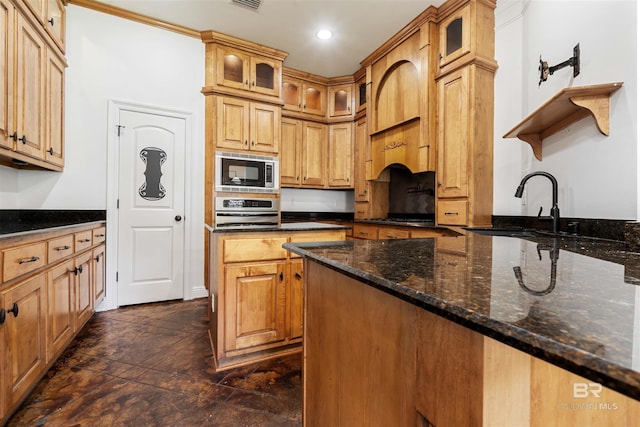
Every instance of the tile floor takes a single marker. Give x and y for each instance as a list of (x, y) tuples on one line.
[(151, 365)]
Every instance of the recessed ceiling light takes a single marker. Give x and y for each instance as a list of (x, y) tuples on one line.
[(324, 34)]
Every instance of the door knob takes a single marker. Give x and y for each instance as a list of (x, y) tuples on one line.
[(178, 218)]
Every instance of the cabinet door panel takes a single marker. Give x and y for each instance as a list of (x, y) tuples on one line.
[(340, 156), (25, 336), (265, 128), (453, 135), (55, 110), (296, 299), (55, 24), (314, 140), (361, 185), (232, 69), (255, 305), (265, 76), (30, 90), (98, 274), (60, 307), (7, 19), (232, 123), (291, 144), (83, 289)]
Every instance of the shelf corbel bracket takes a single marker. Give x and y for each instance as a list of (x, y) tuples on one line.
[(535, 141), (598, 106)]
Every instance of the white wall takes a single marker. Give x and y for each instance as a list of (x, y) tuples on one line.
[(116, 59), (597, 175)]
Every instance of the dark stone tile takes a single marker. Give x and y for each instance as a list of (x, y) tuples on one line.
[(135, 367)]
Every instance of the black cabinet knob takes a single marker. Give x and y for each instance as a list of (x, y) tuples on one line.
[(3, 315), (14, 310)]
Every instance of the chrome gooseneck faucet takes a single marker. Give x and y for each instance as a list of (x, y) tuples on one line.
[(554, 215)]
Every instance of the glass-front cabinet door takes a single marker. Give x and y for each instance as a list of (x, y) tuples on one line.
[(239, 70), (265, 76), (455, 37)]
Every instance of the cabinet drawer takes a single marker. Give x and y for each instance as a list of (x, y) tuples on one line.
[(452, 212), (23, 259), (59, 248), (392, 233), (240, 250), (99, 235), (82, 240), (361, 231), (330, 236)]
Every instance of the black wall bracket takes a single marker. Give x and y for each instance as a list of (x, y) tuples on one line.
[(574, 61)]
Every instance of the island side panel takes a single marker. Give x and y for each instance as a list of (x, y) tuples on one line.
[(359, 353)]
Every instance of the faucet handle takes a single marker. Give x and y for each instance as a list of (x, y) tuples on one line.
[(540, 212)]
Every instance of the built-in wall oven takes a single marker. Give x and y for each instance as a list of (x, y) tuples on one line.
[(239, 213), (246, 173)]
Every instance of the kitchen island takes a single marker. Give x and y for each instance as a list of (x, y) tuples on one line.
[(471, 330), (255, 290)]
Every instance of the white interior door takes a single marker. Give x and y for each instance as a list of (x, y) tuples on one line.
[(151, 207)]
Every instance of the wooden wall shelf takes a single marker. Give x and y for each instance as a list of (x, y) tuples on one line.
[(566, 107)]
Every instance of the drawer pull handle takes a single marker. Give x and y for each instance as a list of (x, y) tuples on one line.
[(99, 235), (84, 240), (451, 213), (14, 309), (32, 259), (63, 248), (3, 315), (281, 276), (77, 270), (298, 276), (97, 258)]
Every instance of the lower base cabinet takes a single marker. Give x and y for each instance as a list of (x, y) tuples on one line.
[(373, 359), (23, 337), (255, 295), (48, 292)]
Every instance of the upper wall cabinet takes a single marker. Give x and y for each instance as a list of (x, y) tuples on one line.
[(242, 68), (466, 34), (32, 69), (55, 22), (454, 36), (341, 100), (304, 93)]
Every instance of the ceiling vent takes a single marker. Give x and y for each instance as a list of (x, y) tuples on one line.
[(250, 4)]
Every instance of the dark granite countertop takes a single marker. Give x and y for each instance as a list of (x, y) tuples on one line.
[(285, 226), (21, 221), (574, 302)]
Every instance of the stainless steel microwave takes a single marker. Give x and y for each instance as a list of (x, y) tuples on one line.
[(246, 173)]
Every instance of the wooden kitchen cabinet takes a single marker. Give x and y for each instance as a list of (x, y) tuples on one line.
[(453, 174), (54, 119), (296, 315), (316, 155), (51, 278), (464, 172), (98, 274), (55, 22), (32, 80), (60, 307), (291, 152), (341, 100), (314, 149), (255, 298), (240, 70), (24, 338), (303, 95), (362, 158), (255, 293), (247, 126), (340, 156)]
